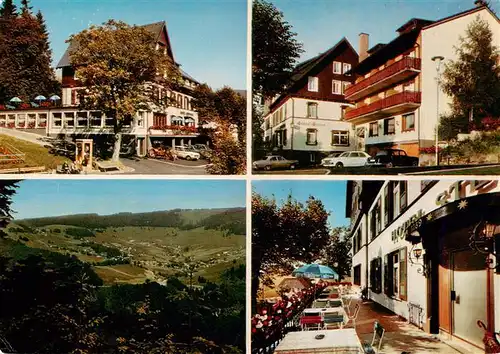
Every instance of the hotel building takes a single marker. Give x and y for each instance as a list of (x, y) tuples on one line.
[(395, 93), (429, 251)]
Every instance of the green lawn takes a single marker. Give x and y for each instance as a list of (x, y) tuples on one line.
[(35, 155)]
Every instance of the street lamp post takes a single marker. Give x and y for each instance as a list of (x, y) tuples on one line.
[(437, 59)]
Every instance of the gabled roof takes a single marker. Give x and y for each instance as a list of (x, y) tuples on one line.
[(304, 68), (154, 28), (185, 75)]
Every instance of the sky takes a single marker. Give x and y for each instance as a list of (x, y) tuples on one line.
[(320, 26), (331, 193), (39, 198), (208, 37)]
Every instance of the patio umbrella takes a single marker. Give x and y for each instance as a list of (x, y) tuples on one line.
[(40, 98), (55, 98), (315, 271), (15, 100)]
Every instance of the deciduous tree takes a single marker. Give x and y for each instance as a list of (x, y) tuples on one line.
[(283, 235), (275, 49), (336, 253), (473, 79), (119, 66)]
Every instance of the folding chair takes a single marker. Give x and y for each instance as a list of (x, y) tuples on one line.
[(311, 322), (352, 318), (333, 320), (378, 336)]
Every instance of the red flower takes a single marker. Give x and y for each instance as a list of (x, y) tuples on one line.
[(24, 106)]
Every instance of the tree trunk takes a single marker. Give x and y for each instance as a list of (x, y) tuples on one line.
[(117, 147)]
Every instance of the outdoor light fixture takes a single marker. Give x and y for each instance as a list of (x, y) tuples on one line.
[(414, 257), (482, 240)]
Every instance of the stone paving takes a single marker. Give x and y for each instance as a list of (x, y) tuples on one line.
[(400, 337)]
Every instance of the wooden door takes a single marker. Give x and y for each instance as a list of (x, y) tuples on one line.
[(444, 298)]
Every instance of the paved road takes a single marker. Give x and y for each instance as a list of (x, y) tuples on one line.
[(158, 167)]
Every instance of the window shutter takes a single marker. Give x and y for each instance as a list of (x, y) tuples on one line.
[(386, 275), (73, 97), (403, 288)]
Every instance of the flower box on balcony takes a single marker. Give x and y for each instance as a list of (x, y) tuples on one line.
[(24, 106), (2, 107), (42, 124), (11, 125), (177, 129), (22, 125)]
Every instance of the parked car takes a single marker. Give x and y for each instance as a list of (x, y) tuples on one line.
[(187, 153), (346, 159), (203, 150), (391, 158), (276, 162)]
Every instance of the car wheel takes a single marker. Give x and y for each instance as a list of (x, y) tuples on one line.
[(267, 168), (152, 154), (188, 158), (389, 165), (339, 165), (414, 163), (292, 167)]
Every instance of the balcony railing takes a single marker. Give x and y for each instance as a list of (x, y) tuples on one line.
[(406, 65), (387, 104)]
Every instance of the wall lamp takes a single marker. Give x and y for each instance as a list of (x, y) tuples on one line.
[(485, 239)]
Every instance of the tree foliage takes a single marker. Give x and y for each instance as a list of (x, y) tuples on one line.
[(121, 68), (336, 253), (25, 55), (473, 79), (7, 190), (283, 235), (224, 111), (274, 49)]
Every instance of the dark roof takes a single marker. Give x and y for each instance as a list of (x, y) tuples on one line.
[(242, 93), (414, 22), (375, 48), (407, 38), (303, 68), (398, 45), (185, 75), (153, 28)]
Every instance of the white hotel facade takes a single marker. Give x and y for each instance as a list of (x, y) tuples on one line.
[(417, 246), (174, 125)]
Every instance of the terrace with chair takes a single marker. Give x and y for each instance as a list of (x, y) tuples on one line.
[(332, 318)]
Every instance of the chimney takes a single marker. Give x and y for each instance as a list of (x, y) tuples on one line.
[(480, 3), (363, 46)]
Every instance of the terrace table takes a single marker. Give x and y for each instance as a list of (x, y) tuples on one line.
[(343, 341)]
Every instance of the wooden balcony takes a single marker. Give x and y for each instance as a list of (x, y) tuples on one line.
[(401, 70), (392, 105)]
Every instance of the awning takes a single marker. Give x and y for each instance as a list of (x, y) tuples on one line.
[(189, 119), (176, 119)]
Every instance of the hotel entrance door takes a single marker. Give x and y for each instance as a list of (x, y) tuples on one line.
[(468, 295)]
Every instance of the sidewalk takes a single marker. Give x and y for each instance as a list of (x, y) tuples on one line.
[(26, 136), (400, 337)]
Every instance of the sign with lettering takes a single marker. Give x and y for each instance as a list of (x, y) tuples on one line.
[(310, 124), (400, 232), (465, 189)]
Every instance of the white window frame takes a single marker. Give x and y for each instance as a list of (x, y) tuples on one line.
[(339, 134), (309, 105), (395, 274), (344, 86), (313, 84), (346, 67), (314, 133), (337, 67), (336, 84)]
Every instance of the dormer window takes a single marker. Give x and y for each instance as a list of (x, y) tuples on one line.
[(346, 67), (312, 84)]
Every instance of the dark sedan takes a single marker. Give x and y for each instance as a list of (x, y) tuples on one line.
[(392, 158)]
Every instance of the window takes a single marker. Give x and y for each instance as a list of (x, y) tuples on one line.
[(340, 137), (357, 275), (312, 135), (312, 110), (344, 86), (312, 84), (95, 119), (69, 119), (378, 221), (346, 67), (396, 199), (389, 126), (284, 137), (57, 119), (403, 186), (356, 241), (373, 225), (386, 205), (376, 275), (395, 274), (336, 87), (140, 119), (374, 129), (81, 119), (337, 67), (408, 122)]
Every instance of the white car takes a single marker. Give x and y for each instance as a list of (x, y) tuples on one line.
[(186, 153), (346, 159)]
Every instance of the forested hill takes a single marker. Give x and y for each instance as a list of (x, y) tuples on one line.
[(232, 220)]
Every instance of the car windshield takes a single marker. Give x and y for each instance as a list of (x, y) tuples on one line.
[(345, 154), (382, 153)]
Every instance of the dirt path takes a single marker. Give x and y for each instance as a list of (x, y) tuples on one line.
[(117, 271)]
